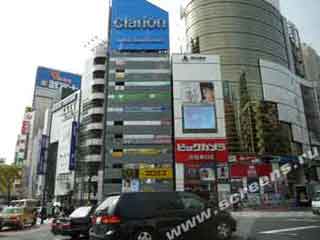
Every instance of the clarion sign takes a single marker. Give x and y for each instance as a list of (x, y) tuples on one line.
[(145, 23), (202, 147)]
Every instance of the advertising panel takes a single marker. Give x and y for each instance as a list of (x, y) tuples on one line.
[(130, 185), (198, 108), (146, 139), (72, 158), (25, 129), (223, 172), (139, 109), (201, 150), (197, 176), (63, 158), (44, 141), (54, 79), (138, 152), (155, 173), (145, 28), (129, 97)]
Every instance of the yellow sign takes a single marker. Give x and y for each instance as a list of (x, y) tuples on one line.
[(155, 173)]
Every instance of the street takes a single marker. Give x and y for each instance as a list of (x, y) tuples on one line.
[(250, 227)]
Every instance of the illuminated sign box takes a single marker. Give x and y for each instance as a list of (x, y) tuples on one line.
[(138, 25), (155, 173), (201, 150)]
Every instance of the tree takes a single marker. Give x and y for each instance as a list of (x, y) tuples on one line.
[(8, 175)]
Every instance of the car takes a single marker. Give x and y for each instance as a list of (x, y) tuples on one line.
[(316, 203), (17, 217), (78, 223), (160, 215)]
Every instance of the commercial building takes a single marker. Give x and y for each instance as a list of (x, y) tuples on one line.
[(199, 124), (50, 87), (269, 106), (138, 130), (90, 148), (63, 137)]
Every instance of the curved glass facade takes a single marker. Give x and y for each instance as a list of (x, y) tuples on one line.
[(242, 33)]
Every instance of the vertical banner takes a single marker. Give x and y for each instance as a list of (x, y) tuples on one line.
[(72, 157), (43, 155)]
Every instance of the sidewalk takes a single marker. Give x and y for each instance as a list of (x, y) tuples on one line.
[(46, 221), (275, 213)]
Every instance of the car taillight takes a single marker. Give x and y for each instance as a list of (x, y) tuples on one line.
[(93, 220), (14, 218), (66, 225), (110, 219)]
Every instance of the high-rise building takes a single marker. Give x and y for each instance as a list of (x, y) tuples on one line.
[(221, 28), (90, 150), (271, 110), (61, 144), (50, 87), (138, 132)]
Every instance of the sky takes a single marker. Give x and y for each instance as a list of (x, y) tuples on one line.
[(53, 34)]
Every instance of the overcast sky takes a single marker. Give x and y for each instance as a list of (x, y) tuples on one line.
[(53, 33)]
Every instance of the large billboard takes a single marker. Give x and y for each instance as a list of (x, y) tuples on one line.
[(55, 79), (138, 25)]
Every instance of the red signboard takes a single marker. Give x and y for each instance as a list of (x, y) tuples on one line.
[(201, 150), (246, 157), (25, 127), (244, 170)]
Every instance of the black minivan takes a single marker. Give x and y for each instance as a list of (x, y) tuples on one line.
[(159, 216)]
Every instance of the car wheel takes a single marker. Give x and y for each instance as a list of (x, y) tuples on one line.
[(224, 230), (34, 222), (144, 234), (22, 225), (75, 236)]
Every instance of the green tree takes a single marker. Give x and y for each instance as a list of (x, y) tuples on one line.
[(8, 175)]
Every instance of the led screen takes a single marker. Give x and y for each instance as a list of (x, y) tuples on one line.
[(199, 118)]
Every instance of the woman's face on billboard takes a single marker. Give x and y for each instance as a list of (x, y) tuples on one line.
[(208, 94)]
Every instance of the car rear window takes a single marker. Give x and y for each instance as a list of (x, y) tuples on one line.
[(80, 212), (108, 205), (142, 205)]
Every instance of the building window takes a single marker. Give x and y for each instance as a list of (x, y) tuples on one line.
[(195, 45), (98, 74), (96, 118), (98, 88), (113, 180), (99, 61)]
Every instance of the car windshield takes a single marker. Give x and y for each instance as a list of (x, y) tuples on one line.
[(80, 212), (12, 210), (108, 204), (317, 197)]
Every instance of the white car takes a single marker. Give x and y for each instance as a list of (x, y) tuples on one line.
[(316, 203)]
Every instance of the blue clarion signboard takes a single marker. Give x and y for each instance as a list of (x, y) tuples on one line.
[(55, 79), (138, 25)]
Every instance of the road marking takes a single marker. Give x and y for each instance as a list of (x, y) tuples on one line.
[(289, 229), (303, 220)]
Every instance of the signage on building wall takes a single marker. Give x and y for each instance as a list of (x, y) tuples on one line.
[(145, 28), (53, 79), (43, 154), (201, 150), (155, 173), (245, 170), (72, 159), (65, 102)]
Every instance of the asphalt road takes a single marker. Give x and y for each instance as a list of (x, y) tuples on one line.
[(249, 228)]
